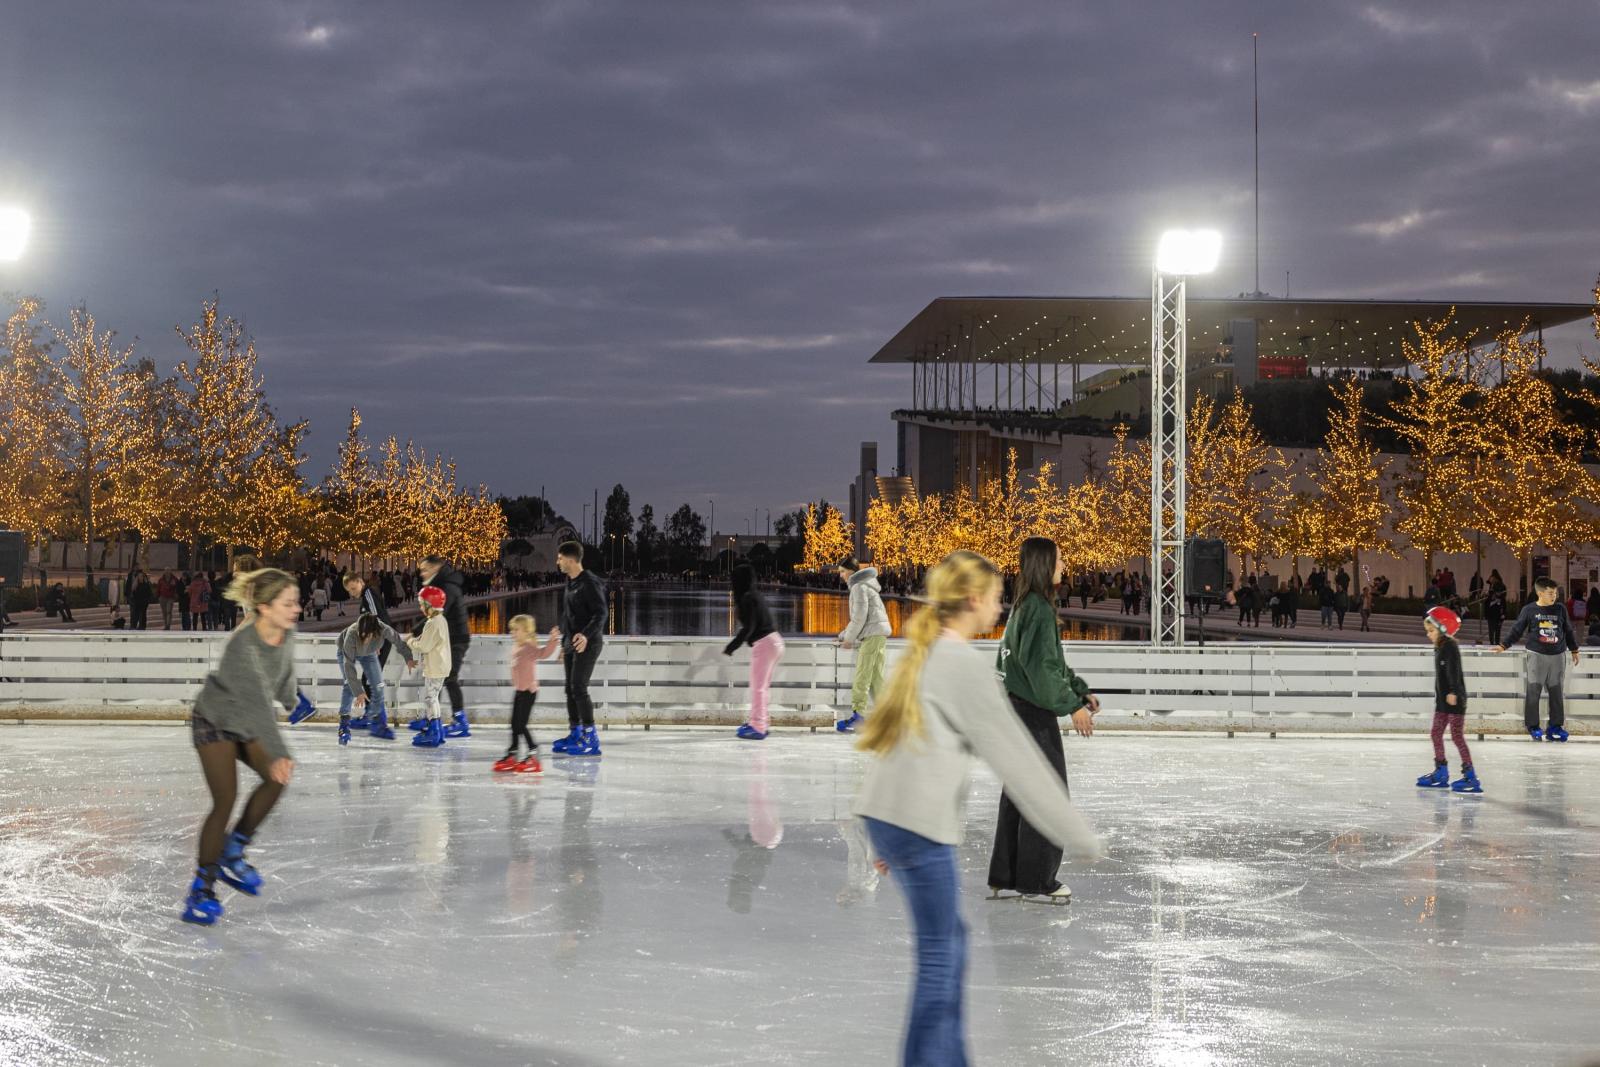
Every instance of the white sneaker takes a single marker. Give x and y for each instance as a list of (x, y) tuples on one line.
[(1062, 895)]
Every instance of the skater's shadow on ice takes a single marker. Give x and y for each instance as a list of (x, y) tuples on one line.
[(432, 1043)]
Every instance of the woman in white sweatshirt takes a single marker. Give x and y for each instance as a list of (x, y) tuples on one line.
[(945, 705)]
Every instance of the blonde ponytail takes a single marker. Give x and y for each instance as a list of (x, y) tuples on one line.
[(251, 589), (953, 584)]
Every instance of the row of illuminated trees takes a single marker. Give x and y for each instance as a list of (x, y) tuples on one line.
[(97, 446), (1487, 450)]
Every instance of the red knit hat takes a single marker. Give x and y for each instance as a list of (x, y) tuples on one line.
[(1445, 619), (432, 596)]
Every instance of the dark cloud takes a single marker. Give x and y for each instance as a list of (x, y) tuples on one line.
[(574, 243)]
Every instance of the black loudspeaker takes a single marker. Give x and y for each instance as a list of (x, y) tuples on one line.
[(13, 553), (1205, 567)]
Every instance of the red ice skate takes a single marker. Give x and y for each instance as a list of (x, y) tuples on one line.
[(530, 765)]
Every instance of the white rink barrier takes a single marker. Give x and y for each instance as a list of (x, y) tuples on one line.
[(685, 681)]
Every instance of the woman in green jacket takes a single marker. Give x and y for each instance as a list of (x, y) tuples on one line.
[(1042, 689)]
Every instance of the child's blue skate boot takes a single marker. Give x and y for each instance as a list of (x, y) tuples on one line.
[(344, 731), (235, 870), (1468, 782), (380, 727), (1555, 733), (430, 736), (418, 724), (750, 733), (564, 745), (848, 726), (303, 709), (1439, 779), (360, 722), (587, 744), (458, 726), (201, 907), (1536, 733)]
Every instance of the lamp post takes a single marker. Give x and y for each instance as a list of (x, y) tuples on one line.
[(1179, 254), (15, 226)]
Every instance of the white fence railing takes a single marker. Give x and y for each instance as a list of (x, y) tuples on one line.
[(679, 680)]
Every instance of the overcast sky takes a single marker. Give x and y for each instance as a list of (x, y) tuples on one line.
[(576, 243)]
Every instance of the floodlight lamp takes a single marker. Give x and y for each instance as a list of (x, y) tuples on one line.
[(1188, 251), (14, 228)]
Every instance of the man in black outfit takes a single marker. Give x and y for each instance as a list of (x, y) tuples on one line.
[(583, 620), (439, 574)]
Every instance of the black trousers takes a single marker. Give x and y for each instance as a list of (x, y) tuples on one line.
[(580, 668), (1024, 859), (521, 711), (138, 616), (452, 682), (1496, 623)]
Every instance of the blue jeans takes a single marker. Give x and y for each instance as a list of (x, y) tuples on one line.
[(936, 1033), (373, 672)]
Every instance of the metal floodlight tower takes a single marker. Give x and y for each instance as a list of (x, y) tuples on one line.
[(1179, 254)]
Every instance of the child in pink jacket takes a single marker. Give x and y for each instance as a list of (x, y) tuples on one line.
[(525, 656)]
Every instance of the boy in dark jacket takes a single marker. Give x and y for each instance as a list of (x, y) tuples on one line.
[(1550, 638), (1449, 703)]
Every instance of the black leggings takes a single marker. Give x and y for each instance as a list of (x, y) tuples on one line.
[(580, 667), (452, 682), (521, 709), (217, 763)]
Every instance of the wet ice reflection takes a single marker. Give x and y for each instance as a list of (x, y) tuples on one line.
[(693, 899)]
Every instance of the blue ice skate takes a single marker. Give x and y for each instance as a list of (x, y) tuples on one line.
[(458, 726), (235, 869), (564, 745), (201, 907), (344, 731), (380, 727), (1536, 733), (360, 722), (1555, 733), (848, 726), (587, 744), (303, 709), (1439, 779), (1467, 783), (430, 736), (750, 733), (418, 724)]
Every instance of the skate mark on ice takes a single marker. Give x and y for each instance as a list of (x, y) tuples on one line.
[(1407, 854)]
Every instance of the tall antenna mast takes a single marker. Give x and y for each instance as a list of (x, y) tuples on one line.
[(1255, 60)]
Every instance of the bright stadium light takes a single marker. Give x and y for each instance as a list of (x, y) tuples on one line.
[(1179, 254), (14, 228), (1188, 251)]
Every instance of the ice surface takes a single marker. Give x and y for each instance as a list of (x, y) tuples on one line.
[(693, 899)]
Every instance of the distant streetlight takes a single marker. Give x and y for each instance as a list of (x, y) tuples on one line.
[(1179, 254), (15, 226)]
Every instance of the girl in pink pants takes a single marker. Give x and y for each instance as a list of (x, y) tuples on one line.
[(757, 630)]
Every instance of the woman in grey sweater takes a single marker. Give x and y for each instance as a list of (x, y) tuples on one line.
[(235, 720), (945, 705)]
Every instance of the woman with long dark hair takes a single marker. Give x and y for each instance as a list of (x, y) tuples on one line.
[(1042, 689)]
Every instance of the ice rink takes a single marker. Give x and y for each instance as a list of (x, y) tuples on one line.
[(693, 899)]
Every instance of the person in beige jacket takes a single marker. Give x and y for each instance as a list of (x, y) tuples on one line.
[(431, 648)]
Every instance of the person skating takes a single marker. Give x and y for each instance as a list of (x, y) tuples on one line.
[(358, 646), (431, 648), (526, 652), (583, 619), (943, 706), (368, 602), (234, 721), (756, 629), (1042, 689), (442, 576), (869, 631), (1550, 637), (1449, 703)]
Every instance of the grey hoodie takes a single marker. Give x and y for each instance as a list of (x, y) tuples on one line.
[(867, 617)]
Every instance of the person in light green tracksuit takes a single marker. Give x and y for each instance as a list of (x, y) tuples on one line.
[(868, 629)]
